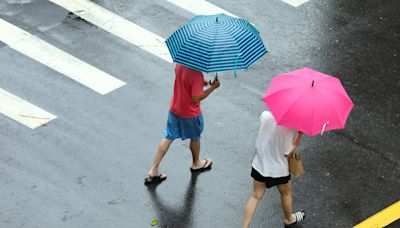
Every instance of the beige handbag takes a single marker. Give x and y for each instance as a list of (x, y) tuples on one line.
[(295, 163)]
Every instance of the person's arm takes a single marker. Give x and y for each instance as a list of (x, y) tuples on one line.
[(294, 143), (297, 138), (214, 85)]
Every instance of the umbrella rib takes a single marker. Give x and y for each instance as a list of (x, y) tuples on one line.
[(212, 47), (332, 88), (297, 100), (332, 107), (345, 95), (255, 58), (231, 31), (312, 114), (282, 90), (251, 52)]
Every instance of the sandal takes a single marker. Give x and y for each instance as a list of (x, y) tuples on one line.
[(155, 179), (205, 166), (300, 216)]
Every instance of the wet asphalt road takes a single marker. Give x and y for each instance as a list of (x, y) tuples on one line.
[(86, 168)]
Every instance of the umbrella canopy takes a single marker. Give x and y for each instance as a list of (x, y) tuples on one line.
[(308, 101), (216, 43)]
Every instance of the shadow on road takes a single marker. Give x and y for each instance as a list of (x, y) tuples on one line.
[(175, 216)]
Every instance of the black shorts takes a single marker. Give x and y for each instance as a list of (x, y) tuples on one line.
[(269, 181)]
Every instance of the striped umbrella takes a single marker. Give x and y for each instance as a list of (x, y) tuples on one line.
[(216, 43)]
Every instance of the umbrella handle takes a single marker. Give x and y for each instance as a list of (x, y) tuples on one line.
[(216, 78)]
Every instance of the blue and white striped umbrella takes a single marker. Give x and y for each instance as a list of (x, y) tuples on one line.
[(216, 43)]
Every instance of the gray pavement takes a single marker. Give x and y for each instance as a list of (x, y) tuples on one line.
[(86, 168)]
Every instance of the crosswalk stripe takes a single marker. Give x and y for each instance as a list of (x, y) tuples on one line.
[(118, 26), (295, 3), (23, 111), (56, 59), (200, 7)]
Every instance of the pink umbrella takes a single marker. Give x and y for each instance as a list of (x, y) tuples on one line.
[(308, 101)]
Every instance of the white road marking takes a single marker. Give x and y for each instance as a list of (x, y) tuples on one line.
[(23, 111), (200, 7), (56, 59), (295, 3), (118, 26)]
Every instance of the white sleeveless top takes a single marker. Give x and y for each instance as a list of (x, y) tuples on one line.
[(273, 142)]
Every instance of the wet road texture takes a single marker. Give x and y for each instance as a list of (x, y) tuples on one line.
[(86, 168)]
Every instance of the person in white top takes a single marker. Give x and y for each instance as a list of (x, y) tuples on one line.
[(270, 168)]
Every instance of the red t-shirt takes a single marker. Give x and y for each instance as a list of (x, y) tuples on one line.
[(188, 83)]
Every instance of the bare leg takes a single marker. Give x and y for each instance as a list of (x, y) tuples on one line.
[(286, 201), (161, 151), (259, 190), (195, 148)]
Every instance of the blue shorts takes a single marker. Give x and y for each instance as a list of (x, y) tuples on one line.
[(184, 128)]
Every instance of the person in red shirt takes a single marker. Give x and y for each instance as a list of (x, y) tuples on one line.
[(185, 119)]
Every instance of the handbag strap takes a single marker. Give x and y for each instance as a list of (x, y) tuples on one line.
[(295, 152)]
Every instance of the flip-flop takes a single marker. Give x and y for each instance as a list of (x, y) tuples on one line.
[(300, 216), (205, 167), (155, 179)]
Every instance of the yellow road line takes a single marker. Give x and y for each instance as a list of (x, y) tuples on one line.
[(382, 218)]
